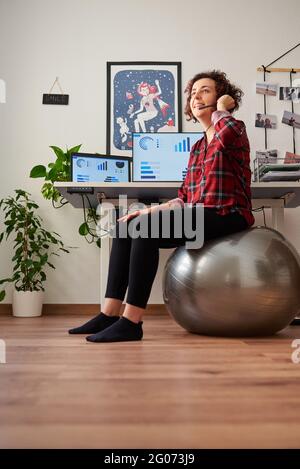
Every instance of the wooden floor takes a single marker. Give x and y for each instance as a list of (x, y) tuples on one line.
[(171, 390)]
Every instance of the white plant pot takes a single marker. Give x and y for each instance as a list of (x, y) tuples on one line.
[(27, 304)]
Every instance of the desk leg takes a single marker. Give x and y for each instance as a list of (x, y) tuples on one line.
[(277, 206), (104, 262), (278, 218), (106, 243)]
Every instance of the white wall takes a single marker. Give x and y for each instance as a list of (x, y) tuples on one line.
[(73, 39)]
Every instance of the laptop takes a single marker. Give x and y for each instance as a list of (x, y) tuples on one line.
[(162, 157), (86, 167)]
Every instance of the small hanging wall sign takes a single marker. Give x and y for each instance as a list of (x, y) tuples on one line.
[(51, 98)]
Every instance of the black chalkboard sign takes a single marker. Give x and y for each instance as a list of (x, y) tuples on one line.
[(56, 99)]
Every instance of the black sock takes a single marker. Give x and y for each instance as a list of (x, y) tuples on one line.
[(122, 330), (97, 324)]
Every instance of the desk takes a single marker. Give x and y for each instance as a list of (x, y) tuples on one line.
[(274, 195)]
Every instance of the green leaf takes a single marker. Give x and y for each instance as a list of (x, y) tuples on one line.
[(74, 149), (56, 195), (32, 205), (21, 192), (9, 230), (4, 280), (2, 295), (43, 276), (83, 229), (43, 259), (52, 175), (58, 151), (50, 192), (38, 172), (65, 250), (98, 242)]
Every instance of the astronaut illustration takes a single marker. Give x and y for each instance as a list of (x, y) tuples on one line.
[(124, 130)]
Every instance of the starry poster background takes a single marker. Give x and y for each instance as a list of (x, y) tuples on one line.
[(143, 99)]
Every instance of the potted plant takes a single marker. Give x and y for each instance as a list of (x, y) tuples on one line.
[(33, 248), (60, 170)]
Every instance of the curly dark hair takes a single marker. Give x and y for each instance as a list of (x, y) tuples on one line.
[(223, 86)]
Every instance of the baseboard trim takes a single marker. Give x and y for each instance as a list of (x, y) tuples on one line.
[(78, 309)]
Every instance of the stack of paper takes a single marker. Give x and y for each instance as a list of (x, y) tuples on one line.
[(278, 172)]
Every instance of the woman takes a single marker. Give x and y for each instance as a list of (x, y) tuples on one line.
[(218, 177)]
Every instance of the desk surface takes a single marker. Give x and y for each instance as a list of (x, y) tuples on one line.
[(164, 190)]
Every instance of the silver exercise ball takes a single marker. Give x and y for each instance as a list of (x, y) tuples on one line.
[(244, 284)]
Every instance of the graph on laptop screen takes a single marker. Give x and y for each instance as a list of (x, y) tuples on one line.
[(100, 168), (162, 156)]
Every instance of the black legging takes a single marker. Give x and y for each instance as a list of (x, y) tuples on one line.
[(134, 261)]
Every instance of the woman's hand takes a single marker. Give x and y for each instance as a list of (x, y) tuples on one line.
[(135, 213), (225, 103)]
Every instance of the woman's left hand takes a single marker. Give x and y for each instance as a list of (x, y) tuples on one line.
[(136, 213), (225, 103)]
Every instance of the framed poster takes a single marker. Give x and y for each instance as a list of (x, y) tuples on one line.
[(141, 97)]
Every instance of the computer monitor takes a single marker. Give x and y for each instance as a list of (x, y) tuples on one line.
[(88, 167), (162, 157)]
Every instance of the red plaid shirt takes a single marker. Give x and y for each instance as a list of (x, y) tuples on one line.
[(219, 174)]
